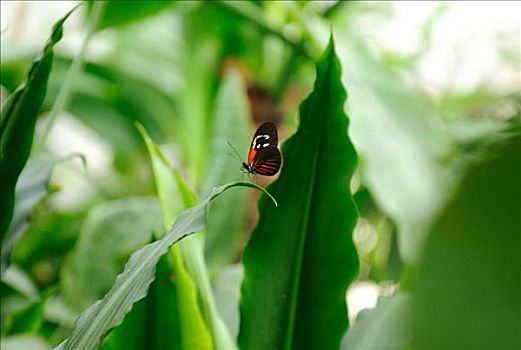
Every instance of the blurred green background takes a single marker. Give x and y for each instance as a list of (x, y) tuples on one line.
[(434, 106)]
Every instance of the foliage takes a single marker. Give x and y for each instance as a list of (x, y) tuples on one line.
[(477, 239), (132, 284), (19, 114), (386, 180), (31, 187)]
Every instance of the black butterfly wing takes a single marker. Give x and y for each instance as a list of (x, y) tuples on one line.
[(267, 161), (265, 134)]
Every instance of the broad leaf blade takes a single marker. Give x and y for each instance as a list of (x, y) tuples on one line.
[(387, 326), (401, 142), (109, 234), (132, 284), (301, 257), (469, 291), (32, 186), (18, 119), (230, 120)]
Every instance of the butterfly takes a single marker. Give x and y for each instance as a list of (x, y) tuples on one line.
[(264, 156)]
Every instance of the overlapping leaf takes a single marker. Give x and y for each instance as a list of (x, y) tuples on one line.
[(18, 119), (174, 196), (132, 284), (469, 291), (31, 187)]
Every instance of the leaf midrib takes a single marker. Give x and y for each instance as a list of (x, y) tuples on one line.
[(326, 85)]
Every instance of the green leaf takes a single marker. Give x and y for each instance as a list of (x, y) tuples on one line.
[(199, 64), (301, 257), (109, 100), (120, 12), (132, 284), (30, 318), (173, 193), (469, 291), (401, 142), (18, 119), (387, 326), (174, 196), (32, 186), (153, 321), (109, 234), (230, 121)]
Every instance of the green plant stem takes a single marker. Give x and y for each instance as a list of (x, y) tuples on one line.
[(76, 65), (285, 75)]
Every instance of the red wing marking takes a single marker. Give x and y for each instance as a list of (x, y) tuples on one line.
[(266, 170), (251, 155)]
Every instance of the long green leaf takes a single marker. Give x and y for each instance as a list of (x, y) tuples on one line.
[(230, 121), (174, 196), (469, 290), (199, 64), (132, 284), (32, 186), (301, 257), (18, 119), (174, 192)]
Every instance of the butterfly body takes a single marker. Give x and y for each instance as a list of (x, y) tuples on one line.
[(264, 156)]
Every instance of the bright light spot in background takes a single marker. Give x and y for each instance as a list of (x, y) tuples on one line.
[(69, 135), (360, 296), (464, 52), (30, 22)]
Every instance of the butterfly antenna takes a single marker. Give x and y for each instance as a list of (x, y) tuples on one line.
[(235, 151), (233, 156)]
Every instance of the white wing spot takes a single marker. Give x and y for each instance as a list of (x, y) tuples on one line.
[(266, 145), (258, 146)]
